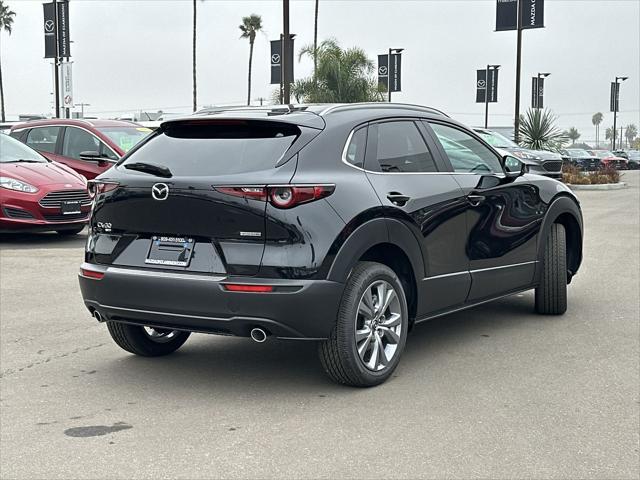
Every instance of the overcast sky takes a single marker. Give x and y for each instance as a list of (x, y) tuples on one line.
[(136, 54)]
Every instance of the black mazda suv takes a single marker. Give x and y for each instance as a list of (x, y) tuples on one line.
[(341, 224)]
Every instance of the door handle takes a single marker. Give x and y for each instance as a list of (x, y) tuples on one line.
[(398, 199), (475, 200)]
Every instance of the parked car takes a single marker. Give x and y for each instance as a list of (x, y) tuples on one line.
[(634, 159), (580, 158), (621, 153), (608, 159), (541, 162), (342, 224), (37, 194), (88, 146)]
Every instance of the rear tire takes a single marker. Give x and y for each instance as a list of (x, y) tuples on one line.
[(71, 231), (551, 294), (137, 340), (364, 348)]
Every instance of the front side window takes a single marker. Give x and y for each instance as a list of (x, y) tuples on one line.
[(43, 138), (466, 153), (77, 141), (401, 149)]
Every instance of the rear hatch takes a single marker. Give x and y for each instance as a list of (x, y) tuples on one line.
[(191, 197)]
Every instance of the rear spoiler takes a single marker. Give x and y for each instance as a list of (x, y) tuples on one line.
[(277, 115)]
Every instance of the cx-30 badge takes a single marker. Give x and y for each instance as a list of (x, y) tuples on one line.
[(160, 191)]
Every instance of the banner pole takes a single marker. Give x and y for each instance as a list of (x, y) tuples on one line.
[(56, 61), (486, 98), (516, 123)]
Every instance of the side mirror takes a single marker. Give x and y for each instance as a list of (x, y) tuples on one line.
[(91, 156), (513, 167)]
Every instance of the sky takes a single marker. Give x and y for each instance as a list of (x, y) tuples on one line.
[(136, 54)]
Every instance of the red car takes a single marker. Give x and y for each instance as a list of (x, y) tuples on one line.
[(88, 146), (609, 159), (37, 194)]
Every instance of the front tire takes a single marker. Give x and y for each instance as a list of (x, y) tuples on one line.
[(551, 294), (369, 337), (146, 341)]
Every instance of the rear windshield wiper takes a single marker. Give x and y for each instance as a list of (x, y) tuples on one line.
[(152, 168)]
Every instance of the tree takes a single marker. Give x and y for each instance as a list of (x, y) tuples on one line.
[(6, 23), (573, 134), (597, 120), (195, 36), (538, 131), (630, 133), (342, 76), (608, 135), (250, 26)]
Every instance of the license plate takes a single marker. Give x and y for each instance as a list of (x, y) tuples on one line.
[(173, 251), (70, 208)]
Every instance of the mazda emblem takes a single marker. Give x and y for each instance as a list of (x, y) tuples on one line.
[(160, 191)]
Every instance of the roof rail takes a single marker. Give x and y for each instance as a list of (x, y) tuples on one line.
[(270, 109), (382, 105)]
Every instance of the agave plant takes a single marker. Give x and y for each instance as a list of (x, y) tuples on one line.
[(538, 131)]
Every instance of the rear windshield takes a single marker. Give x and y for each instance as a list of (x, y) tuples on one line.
[(196, 148)]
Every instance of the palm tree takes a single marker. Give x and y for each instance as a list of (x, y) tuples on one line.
[(539, 132), (608, 135), (315, 41), (250, 26), (342, 76), (195, 32), (597, 120), (6, 23), (630, 133), (573, 134)]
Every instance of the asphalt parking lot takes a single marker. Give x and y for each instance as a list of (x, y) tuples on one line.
[(493, 392)]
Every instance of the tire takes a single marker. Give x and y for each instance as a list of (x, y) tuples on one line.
[(137, 340), (72, 231), (551, 294), (339, 354)]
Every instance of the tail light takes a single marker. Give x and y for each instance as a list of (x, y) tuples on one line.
[(96, 187), (281, 196), (93, 274)]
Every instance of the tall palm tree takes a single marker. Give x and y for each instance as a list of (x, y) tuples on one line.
[(630, 133), (6, 23), (315, 41), (195, 36), (250, 26), (608, 135), (538, 131), (596, 120), (343, 76), (573, 134)]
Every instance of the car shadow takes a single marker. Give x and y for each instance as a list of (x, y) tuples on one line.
[(26, 241), (218, 366)]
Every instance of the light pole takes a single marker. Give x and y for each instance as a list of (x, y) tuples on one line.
[(537, 95), (389, 69), (82, 105), (486, 93), (616, 98)]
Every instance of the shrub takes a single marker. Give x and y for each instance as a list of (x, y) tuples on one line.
[(573, 176)]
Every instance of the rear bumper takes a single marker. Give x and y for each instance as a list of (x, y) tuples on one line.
[(296, 309)]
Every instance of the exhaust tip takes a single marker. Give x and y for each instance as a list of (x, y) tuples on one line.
[(258, 335), (97, 316)]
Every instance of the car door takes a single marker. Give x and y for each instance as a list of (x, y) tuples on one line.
[(76, 141), (408, 180), (504, 215)]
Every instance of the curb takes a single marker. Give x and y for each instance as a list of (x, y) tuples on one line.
[(604, 186)]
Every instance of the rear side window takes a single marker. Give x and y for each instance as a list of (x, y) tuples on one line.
[(354, 154), (199, 148), (43, 138), (401, 149)]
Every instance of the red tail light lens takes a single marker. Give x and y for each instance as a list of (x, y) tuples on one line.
[(91, 274), (285, 196), (233, 287), (96, 188)]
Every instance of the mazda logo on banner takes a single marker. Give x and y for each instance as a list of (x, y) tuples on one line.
[(59, 29), (276, 61), (483, 84), (393, 71), (531, 14)]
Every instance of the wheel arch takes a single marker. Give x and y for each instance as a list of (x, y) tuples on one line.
[(565, 211)]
